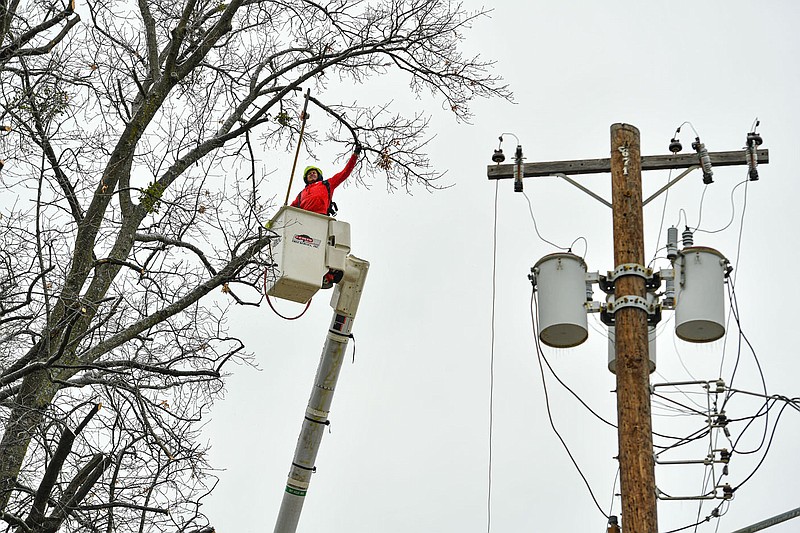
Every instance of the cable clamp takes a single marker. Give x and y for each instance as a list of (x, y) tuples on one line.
[(322, 422), (313, 469)]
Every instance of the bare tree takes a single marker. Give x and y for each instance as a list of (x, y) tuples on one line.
[(129, 194)]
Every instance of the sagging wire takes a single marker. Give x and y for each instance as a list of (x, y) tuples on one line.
[(701, 433), (539, 354), (762, 411), (266, 296), (585, 245), (536, 227), (769, 445), (731, 283), (686, 409), (580, 400), (714, 514), (734, 310), (700, 209), (733, 211), (682, 215), (491, 360)]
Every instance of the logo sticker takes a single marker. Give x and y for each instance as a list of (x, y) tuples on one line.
[(306, 240)]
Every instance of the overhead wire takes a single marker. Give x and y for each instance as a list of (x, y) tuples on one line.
[(491, 360), (733, 211), (699, 434), (769, 446), (735, 313), (536, 227), (682, 214), (534, 312), (700, 210), (738, 253), (571, 391), (714, 514)]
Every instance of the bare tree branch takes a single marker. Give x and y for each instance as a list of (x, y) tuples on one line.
[(136, 153)]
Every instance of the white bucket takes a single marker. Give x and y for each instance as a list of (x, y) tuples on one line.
[(561, 284), (700, 294)]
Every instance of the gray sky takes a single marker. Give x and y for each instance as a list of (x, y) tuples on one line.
[(409, 446)]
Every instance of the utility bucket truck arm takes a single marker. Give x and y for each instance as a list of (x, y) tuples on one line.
[(344, 302)]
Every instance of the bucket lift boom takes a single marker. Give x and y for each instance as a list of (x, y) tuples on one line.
[(298, 227)]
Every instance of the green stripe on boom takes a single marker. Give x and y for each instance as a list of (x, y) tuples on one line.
[(294, 491)]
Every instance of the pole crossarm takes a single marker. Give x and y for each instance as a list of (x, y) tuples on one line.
[(601, 166)]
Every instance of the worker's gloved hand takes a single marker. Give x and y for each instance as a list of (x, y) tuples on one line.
[(357, 150)]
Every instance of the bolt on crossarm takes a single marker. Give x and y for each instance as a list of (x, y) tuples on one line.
[(344, 302)]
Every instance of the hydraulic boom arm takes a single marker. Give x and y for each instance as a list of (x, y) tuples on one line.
[(344, 302)]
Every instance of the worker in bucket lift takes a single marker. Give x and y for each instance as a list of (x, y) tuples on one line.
[(317, 196)]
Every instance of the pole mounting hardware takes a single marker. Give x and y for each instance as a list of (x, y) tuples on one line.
[(652, 280), (652, 308)]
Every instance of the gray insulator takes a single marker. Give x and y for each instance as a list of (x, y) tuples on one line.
[(752, 162), (672, 243), (705, 161), (688, 237)]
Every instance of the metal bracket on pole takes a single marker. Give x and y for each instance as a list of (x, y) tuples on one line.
[(669, 184), (652, 280), (584, 189), (727, 494), (615, 305), (607, 311)]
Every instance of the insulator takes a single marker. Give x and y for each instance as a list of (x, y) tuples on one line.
[(672, 243), (727, 492), (675, 145), (752, 162), (498, 156), (753, 140), (518, 169), (688, 237), (705, 160)]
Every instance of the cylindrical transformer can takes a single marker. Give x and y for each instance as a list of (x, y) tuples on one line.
[(700, 294), (612, 354), (561, 284)]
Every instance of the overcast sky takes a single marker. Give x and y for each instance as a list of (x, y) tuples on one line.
[(409, 443)]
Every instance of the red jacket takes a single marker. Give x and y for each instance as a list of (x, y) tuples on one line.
[(314, 197)]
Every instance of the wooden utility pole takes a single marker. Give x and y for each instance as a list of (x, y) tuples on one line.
[(636, 459), (635, 435)]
